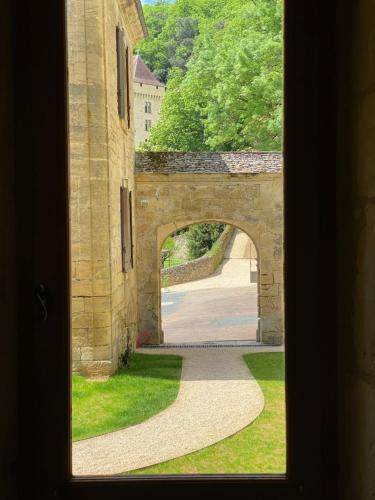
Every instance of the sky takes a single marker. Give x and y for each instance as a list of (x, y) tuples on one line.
[(152, 1)]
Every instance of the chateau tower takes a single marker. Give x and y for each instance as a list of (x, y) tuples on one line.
[(148, 96)]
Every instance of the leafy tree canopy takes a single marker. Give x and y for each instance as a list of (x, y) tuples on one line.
[(201, 237), (222, 62)]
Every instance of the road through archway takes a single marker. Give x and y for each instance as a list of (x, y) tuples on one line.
[(220, 308)]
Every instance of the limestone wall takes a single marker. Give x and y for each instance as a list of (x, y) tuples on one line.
[(252, 202), (198, 268), (104, 306), (143, 93)]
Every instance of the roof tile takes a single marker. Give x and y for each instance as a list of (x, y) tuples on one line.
[(207, 162), (142, 74)]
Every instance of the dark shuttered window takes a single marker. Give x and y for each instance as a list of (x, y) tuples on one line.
[(121, 97), (127, 85), (131, 228), (126, 244)]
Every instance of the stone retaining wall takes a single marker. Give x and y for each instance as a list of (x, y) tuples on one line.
[(198, 268)]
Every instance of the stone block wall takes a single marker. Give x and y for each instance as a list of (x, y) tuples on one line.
[(239, 190), (104, 306), (143, 93), (198, 268)]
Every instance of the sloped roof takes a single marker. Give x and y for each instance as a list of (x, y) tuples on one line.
[(142, 74), (241, 162)]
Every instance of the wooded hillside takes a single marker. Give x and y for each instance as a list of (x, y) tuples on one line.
[(222, 62)]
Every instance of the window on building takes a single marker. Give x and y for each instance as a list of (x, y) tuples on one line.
[(126, 230), (148, 125), (123, 90), (147, 107), (131, 242), (120, 71), (311, 399), (127, 69)]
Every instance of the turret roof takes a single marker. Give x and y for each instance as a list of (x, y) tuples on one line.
[(142, 74)]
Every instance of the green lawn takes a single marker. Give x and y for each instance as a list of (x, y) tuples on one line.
[(259, 448), (132, 395)]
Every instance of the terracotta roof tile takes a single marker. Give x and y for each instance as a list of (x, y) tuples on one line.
[(142, 74)]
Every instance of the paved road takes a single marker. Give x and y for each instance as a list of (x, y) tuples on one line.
[(218, 308)]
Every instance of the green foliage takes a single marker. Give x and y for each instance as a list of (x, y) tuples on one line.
[(169, 243), (215, 249), (164, 281), (124, 358), (259, 448), (129, 397), (171, 251), (173, 28), (201, 238), (223, 63)]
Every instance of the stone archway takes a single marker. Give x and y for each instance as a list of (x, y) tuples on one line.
[(188, 188), (200, 268)]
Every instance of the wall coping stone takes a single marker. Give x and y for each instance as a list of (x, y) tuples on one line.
[(206, 162)]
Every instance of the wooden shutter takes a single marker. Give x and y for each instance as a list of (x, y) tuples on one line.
[(131, 228), (120, 72), (128, 107), (125, 230)]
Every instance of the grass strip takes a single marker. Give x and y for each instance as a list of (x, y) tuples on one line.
[(133, 394), (260, 448)]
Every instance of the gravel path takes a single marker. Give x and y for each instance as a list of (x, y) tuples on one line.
[(217, 398)]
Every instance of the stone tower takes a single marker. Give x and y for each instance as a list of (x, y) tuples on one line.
[(148, 96)]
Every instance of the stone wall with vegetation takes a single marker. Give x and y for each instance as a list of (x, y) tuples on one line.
[(198, 268)]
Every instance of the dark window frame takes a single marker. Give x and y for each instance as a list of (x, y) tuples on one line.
[(121, 69), (43, 466), (126, 230), (131, 242), (127, 74)]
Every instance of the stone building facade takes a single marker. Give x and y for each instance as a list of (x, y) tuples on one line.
[(101, 36), (120, 219), (245, 190), (148, 96)]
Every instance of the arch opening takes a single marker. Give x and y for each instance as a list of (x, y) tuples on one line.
[(208, 284)]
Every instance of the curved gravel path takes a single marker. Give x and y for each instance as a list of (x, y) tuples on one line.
[(218, 397)]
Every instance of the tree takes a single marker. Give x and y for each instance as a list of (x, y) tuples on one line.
[(181, 126), (201, 237), (223, 64)]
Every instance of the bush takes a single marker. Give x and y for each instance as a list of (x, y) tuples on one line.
[(201, 237), (169, 243)]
